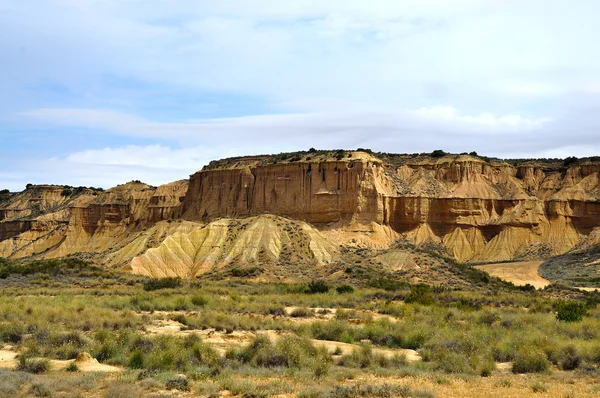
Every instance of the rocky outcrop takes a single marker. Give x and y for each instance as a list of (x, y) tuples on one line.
[(55, 221), (478, 209), (348, 191)]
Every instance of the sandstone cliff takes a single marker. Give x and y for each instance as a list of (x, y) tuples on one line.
[(55, 221), (477, 209)]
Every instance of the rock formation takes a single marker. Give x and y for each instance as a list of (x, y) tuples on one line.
[(249, 241), (55, 221), (477, 209)]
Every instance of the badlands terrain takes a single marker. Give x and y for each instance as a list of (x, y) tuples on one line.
[(308, 274), (304, 210)]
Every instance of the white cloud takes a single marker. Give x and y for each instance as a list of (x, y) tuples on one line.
[(382, 129), (193, 144), (499, 123), (528, 88), (379, 52), (330, 128), (520, 78), (151, 156)]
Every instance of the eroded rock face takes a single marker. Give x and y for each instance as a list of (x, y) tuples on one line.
[(315, 192), (55, 221), (478, 210), (250, 241)]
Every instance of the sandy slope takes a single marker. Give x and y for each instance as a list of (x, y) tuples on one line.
[(519, 273)]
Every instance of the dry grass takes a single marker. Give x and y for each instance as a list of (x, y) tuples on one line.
[(202, 337)]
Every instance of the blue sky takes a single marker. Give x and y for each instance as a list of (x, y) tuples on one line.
[(99, 92)]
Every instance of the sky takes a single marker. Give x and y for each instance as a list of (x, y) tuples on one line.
[(101, 92)]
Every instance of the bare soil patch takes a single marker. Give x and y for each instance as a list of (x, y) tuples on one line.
[(519, 273)]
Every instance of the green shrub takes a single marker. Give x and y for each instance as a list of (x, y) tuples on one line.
[(12, 333), (530, 362), (361, 357), (570, 160), (438, 153), (162, 283), (388, 284), (289, 352), (31, 365), (301, 312), (526, 288), (317, 286), (122, 390), (344, 289), (199, 300), (246, 272), (39, 390), (570, 311), (275, 311), (178, 383), (420, 294), (565, 358), (72, 367), (136, 360), (539, 387), (384, 390)]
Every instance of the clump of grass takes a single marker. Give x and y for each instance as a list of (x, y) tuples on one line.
[(40, 390), (539, 387), (240, 388), (11, 382), (207, 389), (384, 390), (531, 361), (421, 294), (317, 286), (162, 283), (564, 357), (178, 383), (276, 311), (363, 357), (506, 383), (122, 390), (199, 300), (443, 380), (72, 367), (33, 365), (288, 351), (343, 289), (301, 312)]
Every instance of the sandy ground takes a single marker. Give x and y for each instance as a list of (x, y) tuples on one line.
[(346, 348), (84, 362), (558, 384), (519, 273), (8, 358), (222, 341), (589, 289)]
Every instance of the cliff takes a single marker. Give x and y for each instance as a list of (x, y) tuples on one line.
[(55, 221), (477, 209)]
